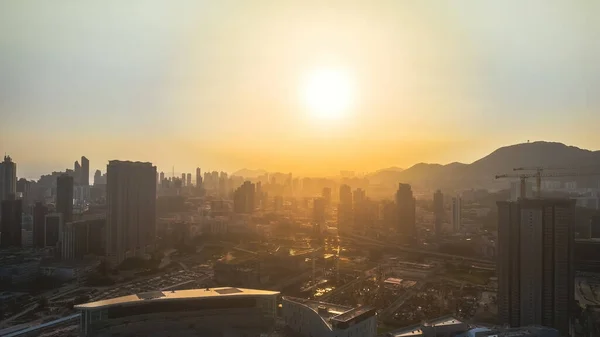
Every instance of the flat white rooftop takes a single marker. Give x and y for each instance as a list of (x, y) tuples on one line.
[(176, 295)]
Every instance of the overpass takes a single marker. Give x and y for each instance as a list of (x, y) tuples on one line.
[(368, 241)]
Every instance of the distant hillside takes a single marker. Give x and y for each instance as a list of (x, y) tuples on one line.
[(248, 173), (481, 172)]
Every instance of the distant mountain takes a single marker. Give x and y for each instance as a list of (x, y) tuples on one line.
[(481, 173), (385, 176), (248, 173)]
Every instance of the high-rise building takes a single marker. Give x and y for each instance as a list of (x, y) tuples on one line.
[(345, 207), (39, 224), (85, 172), (278, 203), (456, 214), (8, 178), (198, 177), (64, 197), (361, 216), (243, 198), (535, 269), (183, 179), (326, 194), (359, 195), (223, 186), (406, 207), (319, 205), (189, 180), (10, 223), (99, 178), (389, 214), (131, 217), (53, 229), (438, 211), (23, 189), (77, 173)]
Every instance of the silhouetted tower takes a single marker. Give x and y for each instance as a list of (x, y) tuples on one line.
[(85, 171), (406, 207), (64, 197), (8, 178)]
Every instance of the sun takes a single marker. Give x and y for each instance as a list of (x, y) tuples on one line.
[(328, 93)]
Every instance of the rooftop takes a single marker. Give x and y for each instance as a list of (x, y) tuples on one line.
[(330, 312), (444, 324), (176, 295)]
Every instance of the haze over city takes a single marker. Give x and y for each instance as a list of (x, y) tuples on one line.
[(279, 168), (224, 85)]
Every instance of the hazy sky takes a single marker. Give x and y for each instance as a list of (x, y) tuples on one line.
[(216, 84)]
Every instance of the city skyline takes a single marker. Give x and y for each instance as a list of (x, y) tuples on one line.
[(197, 85)]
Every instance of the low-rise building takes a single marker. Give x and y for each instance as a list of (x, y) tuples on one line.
[(206, 312), (314, 318)]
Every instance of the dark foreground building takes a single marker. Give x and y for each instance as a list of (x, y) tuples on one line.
[(535, 263)]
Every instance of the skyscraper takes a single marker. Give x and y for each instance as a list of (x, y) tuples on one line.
[(438, 211), (99, 178), (161, 178), (8, 178), (198, 177), (243, 198), (64, 197), (183, 179), (131, 216), (23, 189), (39, 223), (53, 229), (223, 186), (326, 194), (11, 211), (85, 172), (456, 214), (77, 173), (189, 180), (406, 207), (535, 269), (319, 205), (345, 215)]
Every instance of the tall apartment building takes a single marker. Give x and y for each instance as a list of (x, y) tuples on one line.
[(406, 208), (456, 214), (84, 178), (244, 198), (535, 269), (64, 196), (131, 216), (10, 222), (8, 178), (198, 177), (39, 224)]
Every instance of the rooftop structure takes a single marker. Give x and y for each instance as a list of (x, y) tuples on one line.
[(174, 296), (314, 318), (210, 311)]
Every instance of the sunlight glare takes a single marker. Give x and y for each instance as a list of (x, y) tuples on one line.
[(328, 93)]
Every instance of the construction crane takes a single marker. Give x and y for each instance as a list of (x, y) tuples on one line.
[(538, 175)]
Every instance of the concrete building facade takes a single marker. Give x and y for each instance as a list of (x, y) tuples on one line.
[(535, 262), (131, 216)]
